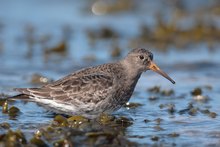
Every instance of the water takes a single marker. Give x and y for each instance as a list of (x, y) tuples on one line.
[(190, 68)]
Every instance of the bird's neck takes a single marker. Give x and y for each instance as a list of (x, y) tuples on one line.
[(128, 80), (131, 73)]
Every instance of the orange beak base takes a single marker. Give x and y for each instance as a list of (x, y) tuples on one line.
[(156, 69)]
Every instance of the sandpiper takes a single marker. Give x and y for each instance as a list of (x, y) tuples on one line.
[(94, 90)]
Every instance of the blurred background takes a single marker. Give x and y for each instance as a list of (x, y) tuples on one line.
[(54, 38), (43, 40), (47, 36)]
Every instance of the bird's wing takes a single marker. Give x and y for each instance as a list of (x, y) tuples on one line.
[(84, 89), (78, 73)]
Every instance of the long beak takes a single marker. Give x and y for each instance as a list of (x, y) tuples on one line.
[(155, 68)]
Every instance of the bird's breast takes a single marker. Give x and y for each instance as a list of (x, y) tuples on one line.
[(125, 90)]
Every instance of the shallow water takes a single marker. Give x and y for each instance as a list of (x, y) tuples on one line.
[(190, 68)]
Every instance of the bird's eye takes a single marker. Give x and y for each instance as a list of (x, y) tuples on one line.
[(141, 57)]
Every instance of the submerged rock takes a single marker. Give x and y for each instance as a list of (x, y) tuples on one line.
[(170, 107), (158, 128), (158, 121), (5, 125), (76, 121), (62, 143), (167, 92), (212, 114), (13, 138), (146, 120), (197, 91), (61, 120), (124, 121), (13, 111), (106, 118), (131, 105), (60, 48), (186, 110), (155, 89), (155, 138), (174, 134), (38, 142)]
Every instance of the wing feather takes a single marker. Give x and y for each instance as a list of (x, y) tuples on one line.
[(88, 88)]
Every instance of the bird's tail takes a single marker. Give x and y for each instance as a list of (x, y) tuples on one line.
[(22, 90), (19, 97), (23, 96)]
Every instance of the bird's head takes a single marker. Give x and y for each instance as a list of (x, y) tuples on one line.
[(141, 60)]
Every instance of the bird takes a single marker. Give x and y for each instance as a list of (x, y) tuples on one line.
[(94, 90)]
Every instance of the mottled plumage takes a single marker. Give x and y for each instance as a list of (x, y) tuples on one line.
[(91, 91)]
